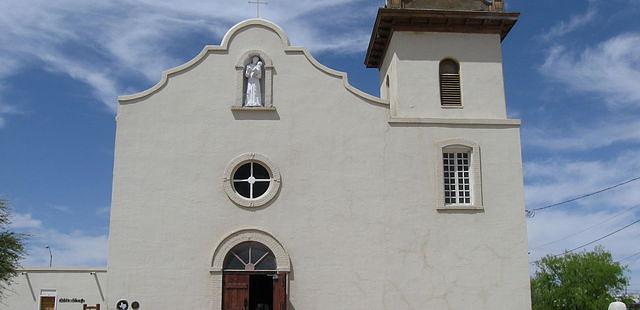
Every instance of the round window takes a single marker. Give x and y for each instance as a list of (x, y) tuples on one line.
[(251, 180)]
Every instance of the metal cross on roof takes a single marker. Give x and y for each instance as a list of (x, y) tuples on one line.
[(258, 3)]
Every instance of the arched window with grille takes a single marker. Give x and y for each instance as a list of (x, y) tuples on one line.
[(460, 171), (250, 256), (450, 90)]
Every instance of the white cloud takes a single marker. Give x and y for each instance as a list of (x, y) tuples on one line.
[(5, 109), (556, 179), (103, 86), (104, 44), (60, 208), (606, 133), (575, 22), (69, 249), (556, 225), (610, 70), (7, 64), (104, 211), (24, 221)]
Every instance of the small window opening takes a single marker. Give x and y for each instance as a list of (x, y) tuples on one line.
[(450, 91)]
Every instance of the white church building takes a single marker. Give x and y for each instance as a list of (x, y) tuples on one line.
[(255, 178)]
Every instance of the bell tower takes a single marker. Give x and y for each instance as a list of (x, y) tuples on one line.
[(441, 59)]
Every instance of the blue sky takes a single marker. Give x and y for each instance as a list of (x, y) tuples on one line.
[(572, 72)]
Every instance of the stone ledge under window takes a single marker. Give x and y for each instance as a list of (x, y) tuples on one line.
[(454, 208), (451, 106), (237, 108)]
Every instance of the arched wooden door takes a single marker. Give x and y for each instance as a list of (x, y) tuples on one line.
[(250, 280)]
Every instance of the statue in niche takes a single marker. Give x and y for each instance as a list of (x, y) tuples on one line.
[(253, 74)]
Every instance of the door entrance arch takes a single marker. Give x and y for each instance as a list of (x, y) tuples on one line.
[(253, 268)]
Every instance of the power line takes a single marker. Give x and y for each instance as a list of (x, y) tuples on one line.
[(603, 237), (628, 257), (592, 242), (586, 229), (633, 261), (532, 212)]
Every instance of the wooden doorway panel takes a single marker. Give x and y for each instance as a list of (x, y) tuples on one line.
[(236, 292), (280, 292)]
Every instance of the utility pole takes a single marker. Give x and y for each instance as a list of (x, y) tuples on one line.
[(50, 256)]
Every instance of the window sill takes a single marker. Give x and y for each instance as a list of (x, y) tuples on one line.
[(237, 108), (457, 107), (460, 208)]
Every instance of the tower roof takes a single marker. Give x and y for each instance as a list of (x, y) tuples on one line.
[(467, 5), (464, 16)]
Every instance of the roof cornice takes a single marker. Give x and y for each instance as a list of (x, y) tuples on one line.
[(61, 270), (424, 20)]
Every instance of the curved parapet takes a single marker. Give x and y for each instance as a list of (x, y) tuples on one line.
[(223, 48)]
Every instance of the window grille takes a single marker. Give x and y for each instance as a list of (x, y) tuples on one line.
[(251, 180), (450, 90), (457, 178), (249, 256)]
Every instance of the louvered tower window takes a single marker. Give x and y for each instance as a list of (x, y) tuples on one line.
[(450, 93)]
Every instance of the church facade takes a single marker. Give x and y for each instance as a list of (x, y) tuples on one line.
[(254, 177)]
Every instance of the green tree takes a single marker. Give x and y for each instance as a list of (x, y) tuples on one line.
[(11, 248), (577, 281)]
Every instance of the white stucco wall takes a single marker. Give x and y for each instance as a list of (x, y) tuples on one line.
[(69, 283), (357, 209), (412, 61)]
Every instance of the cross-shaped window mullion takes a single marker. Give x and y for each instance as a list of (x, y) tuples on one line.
[(252, 187), (250, 183)]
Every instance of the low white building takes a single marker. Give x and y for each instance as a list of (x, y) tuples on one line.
[(254, 177)]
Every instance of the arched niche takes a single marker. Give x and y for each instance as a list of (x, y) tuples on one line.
[(266, 82), (283, 264)]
